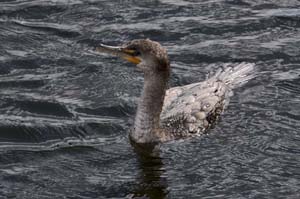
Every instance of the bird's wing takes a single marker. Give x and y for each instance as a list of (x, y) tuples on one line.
[(192, 108)]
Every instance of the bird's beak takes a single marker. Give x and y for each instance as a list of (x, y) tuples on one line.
[(118, 51)]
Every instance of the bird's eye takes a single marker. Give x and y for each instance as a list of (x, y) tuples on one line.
[(136, 53)]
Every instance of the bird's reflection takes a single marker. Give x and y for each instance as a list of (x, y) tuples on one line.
[(152, 181)]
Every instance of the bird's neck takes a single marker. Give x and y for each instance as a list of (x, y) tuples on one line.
[(150, 106)]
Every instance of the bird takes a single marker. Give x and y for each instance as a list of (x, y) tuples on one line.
[(164, 114)]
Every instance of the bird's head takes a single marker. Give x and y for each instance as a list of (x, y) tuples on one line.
[(149, 56)]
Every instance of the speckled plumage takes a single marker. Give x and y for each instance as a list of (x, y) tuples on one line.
[(193, 108)]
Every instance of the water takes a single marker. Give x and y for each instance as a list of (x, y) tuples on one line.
[(66, 112)]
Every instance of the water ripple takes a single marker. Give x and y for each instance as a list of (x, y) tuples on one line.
[(65, 111)]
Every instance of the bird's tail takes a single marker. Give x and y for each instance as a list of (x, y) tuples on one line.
[(235, 75)]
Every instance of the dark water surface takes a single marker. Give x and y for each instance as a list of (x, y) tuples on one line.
[(65, 112)]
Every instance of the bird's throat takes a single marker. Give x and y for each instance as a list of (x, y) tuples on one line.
[(150, 106)]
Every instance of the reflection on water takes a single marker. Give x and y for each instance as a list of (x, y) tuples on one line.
[(152, 182), (65, 112)]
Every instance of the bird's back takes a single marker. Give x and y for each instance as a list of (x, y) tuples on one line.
[(190, 110)]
